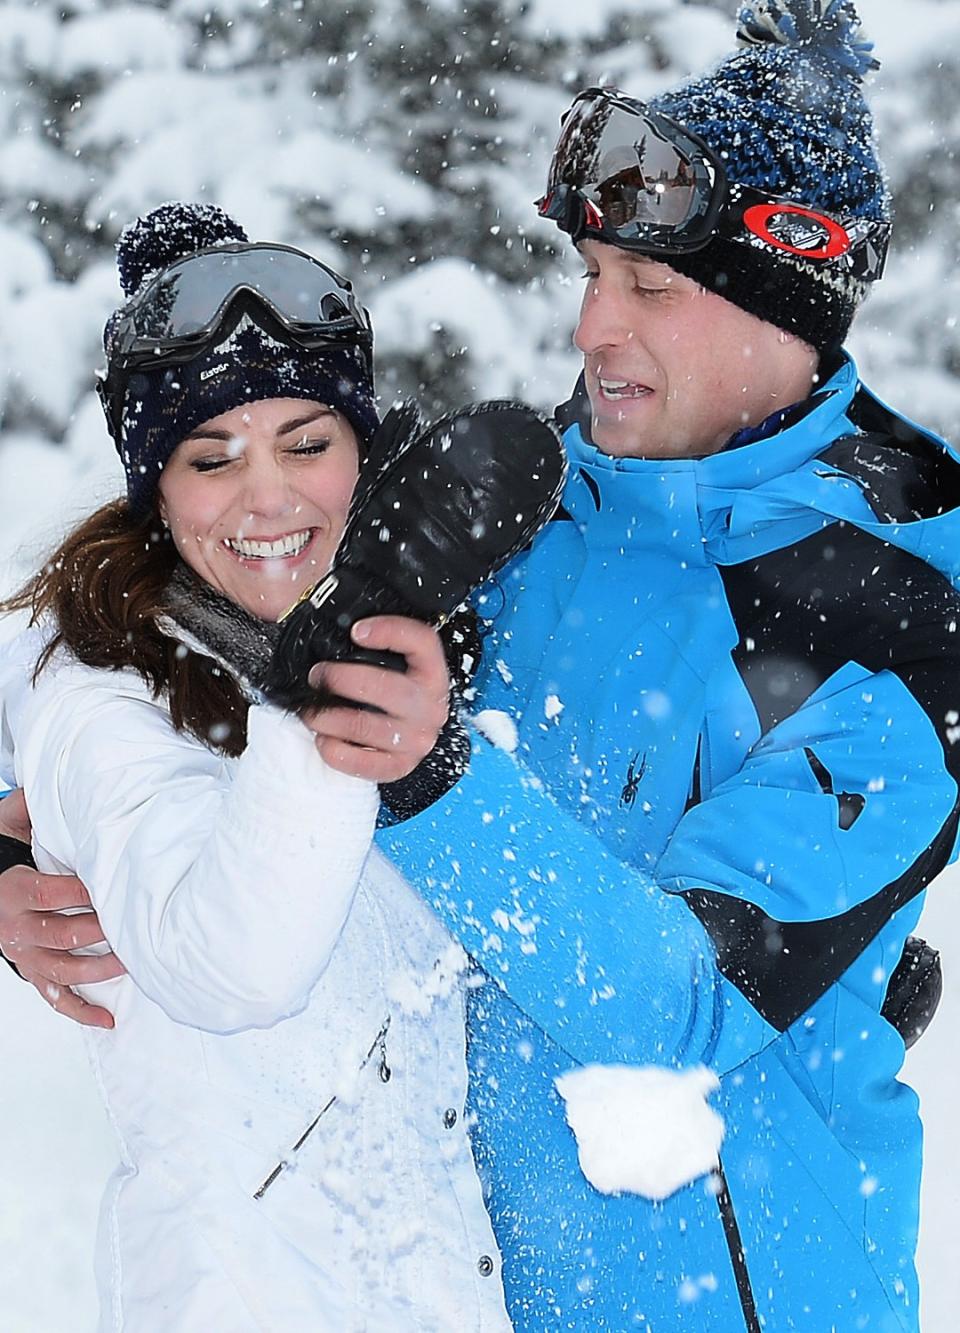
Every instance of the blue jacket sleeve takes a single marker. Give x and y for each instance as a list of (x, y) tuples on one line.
[(609, 965), (836, 821)]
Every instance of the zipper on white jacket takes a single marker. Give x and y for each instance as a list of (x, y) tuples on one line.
[(383, 1070)]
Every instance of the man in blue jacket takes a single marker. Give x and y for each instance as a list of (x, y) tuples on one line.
[(730, 669)]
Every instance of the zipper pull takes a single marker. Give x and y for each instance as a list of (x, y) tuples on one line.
[(383, 1069)]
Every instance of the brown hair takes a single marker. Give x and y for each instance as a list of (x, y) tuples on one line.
[(104, 589)]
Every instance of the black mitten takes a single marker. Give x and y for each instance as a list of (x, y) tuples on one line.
[(443, 510), (435, 774), (447, 762)]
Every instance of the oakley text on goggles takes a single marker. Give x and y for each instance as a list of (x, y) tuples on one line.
[(184, 309), (638, 179)]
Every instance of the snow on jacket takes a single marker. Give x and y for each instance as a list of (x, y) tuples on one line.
[(736, 685), (265, 988)]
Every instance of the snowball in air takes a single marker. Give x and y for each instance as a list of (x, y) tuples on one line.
[(642, 1130)]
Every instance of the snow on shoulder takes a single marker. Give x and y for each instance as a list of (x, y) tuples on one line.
[(642, 1129)]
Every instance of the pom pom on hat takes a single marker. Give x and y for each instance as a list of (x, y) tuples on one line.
[(168, 233), (828, 27)]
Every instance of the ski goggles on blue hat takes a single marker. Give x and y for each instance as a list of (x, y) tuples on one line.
[(188, 306), (636, 178)]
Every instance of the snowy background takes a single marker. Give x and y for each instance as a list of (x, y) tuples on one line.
[(403, 141)]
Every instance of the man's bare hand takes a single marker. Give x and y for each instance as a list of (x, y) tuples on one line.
[(38, 939), (14, 817)]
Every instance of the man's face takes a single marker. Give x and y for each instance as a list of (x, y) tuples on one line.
[(672, 370)]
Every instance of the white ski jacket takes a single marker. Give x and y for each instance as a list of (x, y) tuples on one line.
[(278, 970)]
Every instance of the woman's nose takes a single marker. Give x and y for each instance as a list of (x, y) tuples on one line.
[(268, 490)]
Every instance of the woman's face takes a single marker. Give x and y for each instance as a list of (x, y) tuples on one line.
[(257, 497)]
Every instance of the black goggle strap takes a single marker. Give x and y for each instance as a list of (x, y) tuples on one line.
[(855, 246)]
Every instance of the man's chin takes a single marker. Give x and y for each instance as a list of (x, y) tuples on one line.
[(619, 439), (624, 439)]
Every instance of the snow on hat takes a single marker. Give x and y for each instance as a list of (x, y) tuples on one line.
[(165, 405), (786, 114)]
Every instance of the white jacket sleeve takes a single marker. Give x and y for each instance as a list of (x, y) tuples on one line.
[(222, 885)]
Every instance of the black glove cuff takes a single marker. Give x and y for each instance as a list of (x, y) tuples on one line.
[(318, 630), (433, 777), (14, 853)]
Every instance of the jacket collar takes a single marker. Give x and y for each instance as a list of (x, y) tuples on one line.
[(684, 505)]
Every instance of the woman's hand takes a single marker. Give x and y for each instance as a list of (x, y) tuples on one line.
[(413, 705)]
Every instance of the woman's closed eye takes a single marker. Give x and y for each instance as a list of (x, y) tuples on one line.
[(305, 448), (309, 447), (210, 464)]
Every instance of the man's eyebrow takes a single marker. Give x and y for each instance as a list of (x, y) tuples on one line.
[(632, 257)]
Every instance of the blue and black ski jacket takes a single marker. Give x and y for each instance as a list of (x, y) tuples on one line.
[(735, 683)]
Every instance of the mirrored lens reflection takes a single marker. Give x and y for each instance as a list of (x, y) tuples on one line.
[(643, 178)]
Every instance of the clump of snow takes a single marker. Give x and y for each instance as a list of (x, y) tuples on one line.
[(642, 1129), (498, 727), (415, 992)]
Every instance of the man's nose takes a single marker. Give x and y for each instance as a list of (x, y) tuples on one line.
[(603, 318)]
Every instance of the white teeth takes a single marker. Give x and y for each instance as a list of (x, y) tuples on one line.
[(292, 544), (622, 388)]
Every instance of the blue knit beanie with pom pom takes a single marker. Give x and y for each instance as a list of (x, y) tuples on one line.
[(164, 405), (786, 114)]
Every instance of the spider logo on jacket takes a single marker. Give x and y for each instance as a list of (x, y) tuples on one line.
[(632, 785)]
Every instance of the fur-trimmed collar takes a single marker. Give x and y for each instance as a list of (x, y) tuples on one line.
[(205, 621)]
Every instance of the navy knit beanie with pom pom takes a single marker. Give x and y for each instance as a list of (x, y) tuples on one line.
[(786, 114), (164, 405)]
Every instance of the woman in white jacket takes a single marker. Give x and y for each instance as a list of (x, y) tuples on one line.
[(287, 1072)]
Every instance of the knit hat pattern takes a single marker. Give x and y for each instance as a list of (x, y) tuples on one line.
[(249, 365), (786, 114)]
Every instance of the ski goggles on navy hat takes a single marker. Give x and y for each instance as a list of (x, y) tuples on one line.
[(223, 326), (185, 310), (633, 177)]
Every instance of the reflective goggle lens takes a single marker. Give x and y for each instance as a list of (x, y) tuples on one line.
[(646, 176), (189, 297)]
